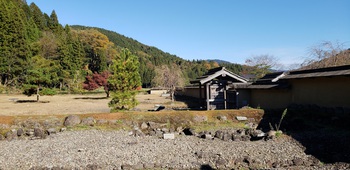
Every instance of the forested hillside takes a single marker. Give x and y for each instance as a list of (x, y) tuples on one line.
[(151, 57), (36, 50)]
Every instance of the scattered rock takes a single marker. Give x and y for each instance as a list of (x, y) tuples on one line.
[(39, 133), (148, 166), (219, 134), (221, 163), (200, 118), (101, 121), (241, 118), (89, 121), (298, 162), (51, 131), (137, 132), (186, 152), (179, 129), (169, 136), (30, 132), (144, 126), (205, 135), (152, 125), (63, 129), (92, 167), (29, 123), (271, 134), (189, 131), (127, 167), (71, 120), (50, 123), (10, 135), (20, 132), (165, 130), (222, 118)]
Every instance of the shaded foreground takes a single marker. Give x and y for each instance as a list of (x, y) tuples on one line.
[(324, 132)]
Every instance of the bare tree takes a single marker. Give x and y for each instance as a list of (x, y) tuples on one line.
[(168, 78), (263, 64), (323, 54)]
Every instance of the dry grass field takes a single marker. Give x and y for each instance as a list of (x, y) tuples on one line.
[(15, 105), (20, 107)]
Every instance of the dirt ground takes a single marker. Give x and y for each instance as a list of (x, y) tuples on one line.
[(15, 105)]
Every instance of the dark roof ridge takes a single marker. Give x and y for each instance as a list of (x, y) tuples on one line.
[(325, 69)]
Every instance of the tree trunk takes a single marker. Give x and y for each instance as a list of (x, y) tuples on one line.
[(106, 91), (37, 94), (172, 92)]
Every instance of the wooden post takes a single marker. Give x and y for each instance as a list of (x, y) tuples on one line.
[(225, 97), (200, 94), (207, 94)]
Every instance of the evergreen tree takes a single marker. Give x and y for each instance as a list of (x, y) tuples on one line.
[(14, 48), (38, 16), (43, 73), (124, 81), (53, 23)]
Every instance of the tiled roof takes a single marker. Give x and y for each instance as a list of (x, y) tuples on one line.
[(321, 72), (278, 80), (219, 72)]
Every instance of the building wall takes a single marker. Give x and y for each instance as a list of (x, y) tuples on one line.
[(327, 92), (270, 99), (158, 92), (243, 98), (191, 92)]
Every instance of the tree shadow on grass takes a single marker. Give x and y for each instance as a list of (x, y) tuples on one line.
[(31, 101), (325, 134), (91, 98)]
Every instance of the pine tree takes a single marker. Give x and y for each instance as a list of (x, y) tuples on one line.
[(43, 73), (124, 81)]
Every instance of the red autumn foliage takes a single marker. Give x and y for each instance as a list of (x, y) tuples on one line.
[(97, 80)]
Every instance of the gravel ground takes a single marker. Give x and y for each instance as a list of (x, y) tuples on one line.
[(94, 149)]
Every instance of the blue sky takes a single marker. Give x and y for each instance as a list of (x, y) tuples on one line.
[(231, 30)]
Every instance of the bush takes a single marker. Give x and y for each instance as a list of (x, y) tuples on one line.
[(2, 88), (48, 91), (29, 89)]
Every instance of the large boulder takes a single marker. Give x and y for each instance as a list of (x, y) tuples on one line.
[(71, 120), (10, 135), (51, 123), (40, 133), (20, 132), (89, 121)]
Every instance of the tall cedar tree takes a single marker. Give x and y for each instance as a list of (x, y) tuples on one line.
[(124, 81), (13, 45)]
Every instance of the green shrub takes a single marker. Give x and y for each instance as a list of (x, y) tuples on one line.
[(29, 89), (48, 91), (2, 89)]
